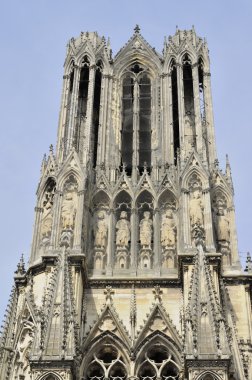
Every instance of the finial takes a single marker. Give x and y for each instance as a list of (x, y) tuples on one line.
[(108, 293), (176, 28), (248, 263), (137, 29), (20, 267), (157, 291), (51, 148)]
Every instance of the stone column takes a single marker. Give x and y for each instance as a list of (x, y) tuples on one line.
[(105, 104), (198, 124), (56, 219), (208, 223), (110, 243), (248, 308), (156, 238), (78, 221), (62, 118), (36, 232), (89, 115), (134, 234), (181, 107), (185, 220), (135, 132), (233, 238), (209, 119), (73, 109)]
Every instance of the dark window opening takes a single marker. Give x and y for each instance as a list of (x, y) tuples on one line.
[(201, 90), (188, 100), (144, 123), (96, 114), (82, 103), (127, 124), (175, 112)]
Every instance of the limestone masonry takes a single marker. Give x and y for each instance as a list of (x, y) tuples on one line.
[(134, 271)]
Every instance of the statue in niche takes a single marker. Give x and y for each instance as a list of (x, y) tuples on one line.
[(222, 226), (146, 230), (168, 230), (196, 209), (24, 344), (123, 231), (46, 223), (101, 231), (69, 208)]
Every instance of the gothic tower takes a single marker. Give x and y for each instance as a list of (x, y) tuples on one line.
[(134, 270)]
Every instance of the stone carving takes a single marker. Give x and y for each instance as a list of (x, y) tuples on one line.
[(168, 230), (69, 208), (222, 228), (196, 208), (46, 222), (146, 230), (101, 231), (24, 344), (123, 231)]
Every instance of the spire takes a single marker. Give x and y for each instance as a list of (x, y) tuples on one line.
[(20, 267), (228, 172), (137, 29), (205, 329), (248, 268)]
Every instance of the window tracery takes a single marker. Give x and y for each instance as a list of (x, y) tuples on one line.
[(107, 363), (136, 119), (158, 363)]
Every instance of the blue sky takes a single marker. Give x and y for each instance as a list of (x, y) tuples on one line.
[(34, 35)]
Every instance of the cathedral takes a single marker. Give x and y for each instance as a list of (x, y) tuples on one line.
[(134, 272)]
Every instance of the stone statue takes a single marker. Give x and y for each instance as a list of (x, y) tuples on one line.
[(101, 231), (222, 226), (69, 208), (146, 230), (46, 223), (196, 209), (168, 230), (123, 231), (24, 344)]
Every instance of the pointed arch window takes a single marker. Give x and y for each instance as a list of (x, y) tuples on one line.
[(136, 119), (175, 110), (82, 102), (96, 111)]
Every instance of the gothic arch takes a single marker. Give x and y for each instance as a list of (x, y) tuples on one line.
[(165, 196), (50, 376), (48, 183), (101, 198), (121, 66), (197, 172), (187, 52), (145, 195), (105, 356), (208, 375), (69, 65), (158, 357), (71, 173)]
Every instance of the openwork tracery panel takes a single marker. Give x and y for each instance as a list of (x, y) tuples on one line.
[(158, 363), (106, 363)]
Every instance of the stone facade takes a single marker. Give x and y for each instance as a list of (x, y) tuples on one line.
[(134, 270)]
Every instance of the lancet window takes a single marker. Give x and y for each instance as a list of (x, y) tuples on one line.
[(136, 119), (107, 363), (96, 111), (201, 89), (188, 100), (175, 110), (158, 363), (82, 101)]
